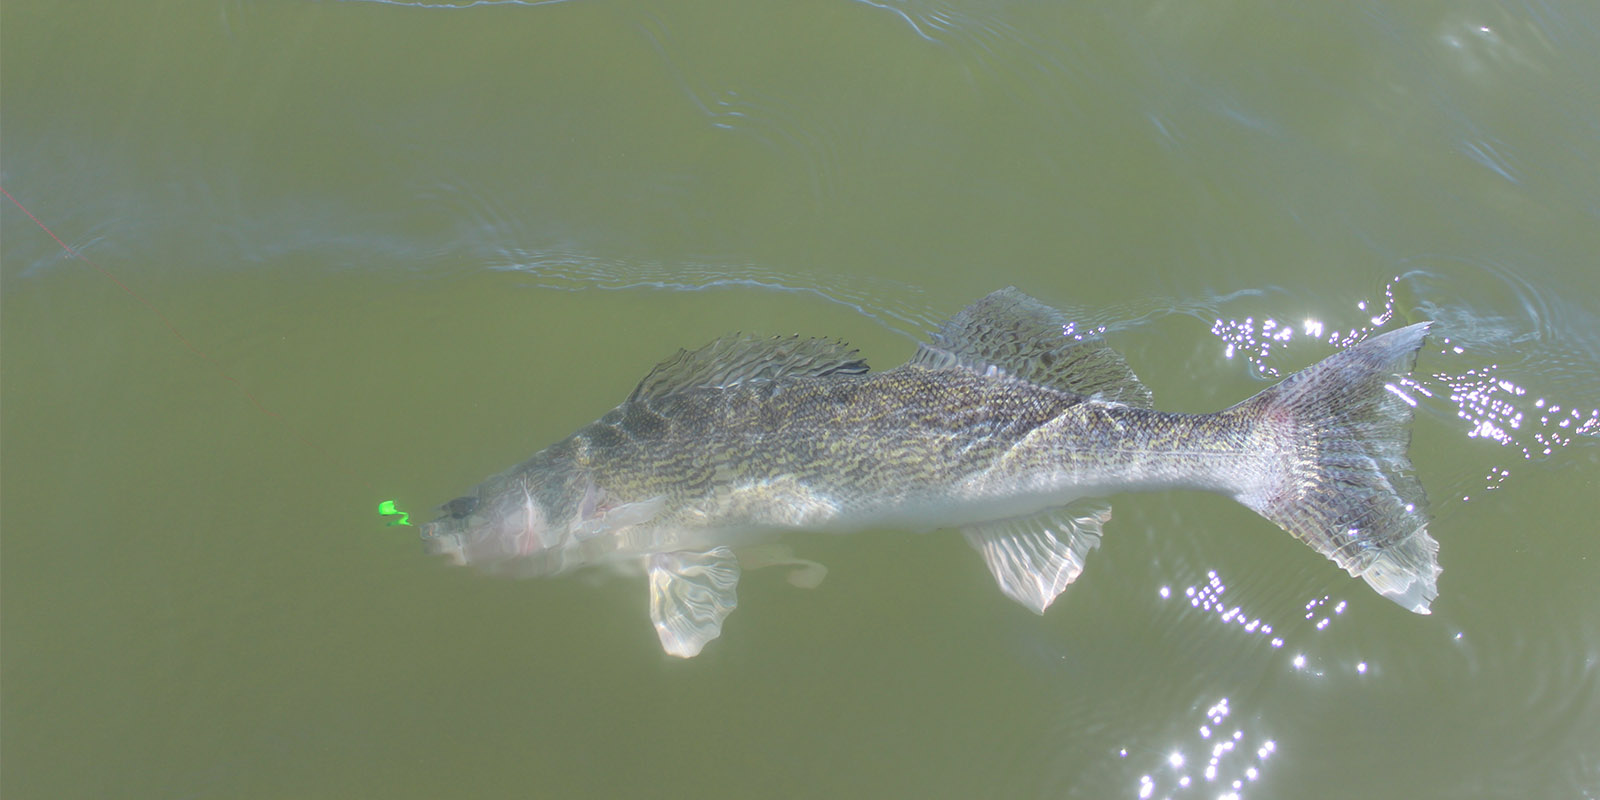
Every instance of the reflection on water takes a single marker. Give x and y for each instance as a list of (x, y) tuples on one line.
[(1228, 768), (1209, 598), (1228, 748), (1492, 398), (1526, 386)]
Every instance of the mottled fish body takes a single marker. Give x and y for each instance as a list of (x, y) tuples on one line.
[(1001, 426)]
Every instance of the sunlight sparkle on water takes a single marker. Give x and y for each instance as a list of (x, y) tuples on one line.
[(1402, 395), (1223, 766), (1497, 410), (1209, 598), (1175, 771), (1256, 342), (1313, 605), (1071, 331), (1493, 407), (1320, 614)]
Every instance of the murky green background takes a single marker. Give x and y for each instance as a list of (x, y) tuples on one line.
[(416, 244)]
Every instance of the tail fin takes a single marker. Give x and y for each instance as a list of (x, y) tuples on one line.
[(1342, 482)]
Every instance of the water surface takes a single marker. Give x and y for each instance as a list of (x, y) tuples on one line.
[(417, 242)]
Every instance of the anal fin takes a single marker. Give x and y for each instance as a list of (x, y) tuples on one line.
[(690, 595), (1035, 558)]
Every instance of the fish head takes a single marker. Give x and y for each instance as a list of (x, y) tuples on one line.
[(527, 514)]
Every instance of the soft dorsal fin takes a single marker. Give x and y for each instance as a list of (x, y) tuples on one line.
[(1025, 338), (738, 359)]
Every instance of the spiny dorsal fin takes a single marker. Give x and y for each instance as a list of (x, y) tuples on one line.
[(1025, 338), (738, 359)]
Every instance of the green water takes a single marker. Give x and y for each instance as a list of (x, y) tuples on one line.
[(416, 244)]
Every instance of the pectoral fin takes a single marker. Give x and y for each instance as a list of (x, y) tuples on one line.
[(1034, 558), (690, 595)]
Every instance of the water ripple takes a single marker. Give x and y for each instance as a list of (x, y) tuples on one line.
[(461, 5), (876, 299)]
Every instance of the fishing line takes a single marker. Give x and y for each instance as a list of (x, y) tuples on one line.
[(386, 508)]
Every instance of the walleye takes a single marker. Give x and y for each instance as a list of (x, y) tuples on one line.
[(1001, 426)]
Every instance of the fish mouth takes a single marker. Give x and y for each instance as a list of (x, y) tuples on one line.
[(438, 540), (444, 536)]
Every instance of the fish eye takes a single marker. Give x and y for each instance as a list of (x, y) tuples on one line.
[(460, 507)]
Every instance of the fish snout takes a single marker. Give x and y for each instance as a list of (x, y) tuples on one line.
[(474, 530), (439, 539), (445, 536)]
